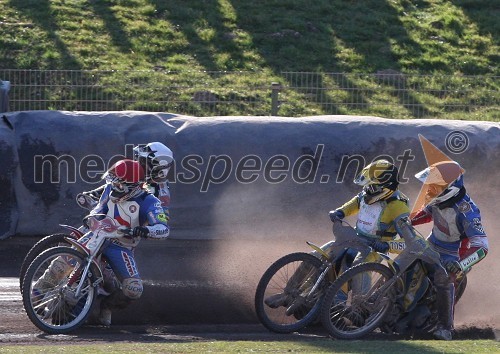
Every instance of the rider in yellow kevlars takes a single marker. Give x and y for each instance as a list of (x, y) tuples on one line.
[(378, 206)]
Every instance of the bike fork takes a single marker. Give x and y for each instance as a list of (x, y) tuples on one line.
[(74, 277), (320, 280)]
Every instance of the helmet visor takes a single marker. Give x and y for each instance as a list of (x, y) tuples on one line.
[(119, 188), (373, 189)]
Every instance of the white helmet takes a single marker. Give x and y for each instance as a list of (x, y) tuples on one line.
[(156, 159), (443, 180)]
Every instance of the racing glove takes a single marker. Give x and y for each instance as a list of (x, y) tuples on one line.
[(381, 246), (140, 231), (453, 267), (95, 194), (336, 215)]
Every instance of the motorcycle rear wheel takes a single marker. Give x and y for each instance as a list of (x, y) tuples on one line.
[(353, 305), (285, 283), (49, 298)]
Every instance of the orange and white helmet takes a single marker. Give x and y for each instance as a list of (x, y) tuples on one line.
[(443, 180)]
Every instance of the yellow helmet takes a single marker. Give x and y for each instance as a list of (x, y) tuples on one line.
[(379, 180)]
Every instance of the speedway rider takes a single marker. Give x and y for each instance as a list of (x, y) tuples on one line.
[(457, 234), (156, 159), (378, 207), (125, 200)]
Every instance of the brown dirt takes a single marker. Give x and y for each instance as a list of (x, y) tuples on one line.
[(193, 311)]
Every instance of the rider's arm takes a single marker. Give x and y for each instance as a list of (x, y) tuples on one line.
[(154, 218), (351, 207), (394, 210), (421, 217), (102, 205), (96, 193), (404, 228), (476, 248)]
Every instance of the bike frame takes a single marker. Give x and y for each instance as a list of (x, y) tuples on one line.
[(416, 248), (90, 245), (345, 238)]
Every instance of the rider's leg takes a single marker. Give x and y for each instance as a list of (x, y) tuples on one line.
[(57, 270), (445, 295), (123, 264)]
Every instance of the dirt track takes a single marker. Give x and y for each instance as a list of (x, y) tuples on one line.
[(216, 318)]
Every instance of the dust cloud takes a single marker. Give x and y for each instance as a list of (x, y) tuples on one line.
[(258, 230), (480, 305)]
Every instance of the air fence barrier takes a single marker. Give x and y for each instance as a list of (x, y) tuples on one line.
[(386, 93)]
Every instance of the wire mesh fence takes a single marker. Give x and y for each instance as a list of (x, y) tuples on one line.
[(202, 93)]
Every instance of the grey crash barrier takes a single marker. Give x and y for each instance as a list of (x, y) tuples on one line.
[(234, 177)]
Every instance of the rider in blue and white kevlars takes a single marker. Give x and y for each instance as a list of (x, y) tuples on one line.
[(457, 233), (156, 159), (125, 200)]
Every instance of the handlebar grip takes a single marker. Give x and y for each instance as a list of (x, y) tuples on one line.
[(380, 246), (126, 231)]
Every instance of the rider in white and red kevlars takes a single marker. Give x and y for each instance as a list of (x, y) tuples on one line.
[(457, 233), (156, 159), (125, 200)]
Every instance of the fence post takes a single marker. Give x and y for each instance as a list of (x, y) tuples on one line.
[(4, 96), (275, 89)]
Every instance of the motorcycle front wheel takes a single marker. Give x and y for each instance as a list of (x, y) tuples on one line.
[(42, 245), (49, 291), (283, 299), (357, 301)]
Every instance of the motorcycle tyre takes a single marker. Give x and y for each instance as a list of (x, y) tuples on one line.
[(329, 298), (304, 319), (27, 290), (42, 245)]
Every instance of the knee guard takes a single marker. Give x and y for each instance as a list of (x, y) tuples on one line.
[(132, 288)]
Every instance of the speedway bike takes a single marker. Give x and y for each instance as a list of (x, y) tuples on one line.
[(397, 296), (62, 283), (86, 201), (288, 295)]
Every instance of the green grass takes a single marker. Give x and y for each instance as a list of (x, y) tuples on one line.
[(433, 37), (314, 346), (458, 37)]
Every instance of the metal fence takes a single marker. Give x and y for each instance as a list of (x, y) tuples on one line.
[(202, 93)]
